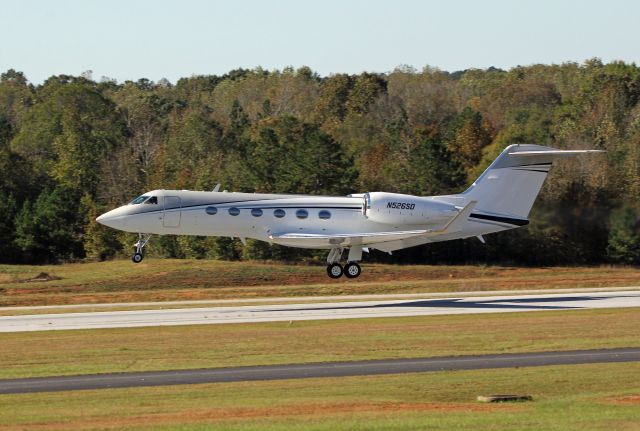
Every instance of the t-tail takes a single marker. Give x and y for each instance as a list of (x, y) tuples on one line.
[(510, 185)]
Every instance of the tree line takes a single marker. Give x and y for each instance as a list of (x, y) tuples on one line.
[(74, 147)]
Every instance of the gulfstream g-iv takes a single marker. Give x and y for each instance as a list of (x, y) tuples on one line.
[(500, 199)]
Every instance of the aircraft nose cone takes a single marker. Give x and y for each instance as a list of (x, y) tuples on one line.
[(111, 220)]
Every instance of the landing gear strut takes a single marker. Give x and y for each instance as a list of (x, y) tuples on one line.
[(143, 239), (351, 269)]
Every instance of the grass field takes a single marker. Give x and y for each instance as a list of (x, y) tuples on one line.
[(584, 397), (167, 279), (174, 347)]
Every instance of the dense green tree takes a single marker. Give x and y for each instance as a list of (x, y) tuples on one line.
[(365, 90), (332, 100), (17, 183), (467, 136), (16, 97), (225, 248), (98, 241), (8, 211), (289, 155), (69, 136), (434, 169), (193, 247), (624, 237), (193, 151), (48, 230), (410, 131), (145, 117)]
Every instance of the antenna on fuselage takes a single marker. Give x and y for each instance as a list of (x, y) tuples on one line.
[(216, 188)]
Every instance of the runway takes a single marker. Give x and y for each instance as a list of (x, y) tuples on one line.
[(320, 311), (326, 369)]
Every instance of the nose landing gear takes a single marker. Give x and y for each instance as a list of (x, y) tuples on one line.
[(143, 239), (351, 269)]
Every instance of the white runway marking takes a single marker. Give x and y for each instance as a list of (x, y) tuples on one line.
[(320, 311)]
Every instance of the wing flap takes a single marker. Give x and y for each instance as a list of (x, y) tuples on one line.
[(296, 235)]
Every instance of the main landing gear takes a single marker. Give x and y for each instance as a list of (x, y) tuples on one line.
[(350, 270), (143, 239)]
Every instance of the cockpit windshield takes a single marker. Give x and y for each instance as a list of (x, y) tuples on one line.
[(138, 200), (144, 199)]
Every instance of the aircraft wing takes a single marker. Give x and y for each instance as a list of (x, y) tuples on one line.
[(346, 239), (456, 224)]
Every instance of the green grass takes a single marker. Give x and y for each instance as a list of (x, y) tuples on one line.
[(175, 347), (171, 279), (566, 398), (584, 397)]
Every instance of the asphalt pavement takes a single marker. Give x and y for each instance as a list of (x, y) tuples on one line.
[(311, 370)]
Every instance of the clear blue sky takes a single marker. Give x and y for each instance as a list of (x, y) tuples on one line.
[(129, 39)]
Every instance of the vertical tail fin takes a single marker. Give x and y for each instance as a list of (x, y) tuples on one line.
[(512, 182)]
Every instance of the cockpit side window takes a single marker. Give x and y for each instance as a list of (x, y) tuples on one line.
[(138, 200), (152, 200)]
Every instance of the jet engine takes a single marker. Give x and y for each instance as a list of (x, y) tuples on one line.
[(398, 209)]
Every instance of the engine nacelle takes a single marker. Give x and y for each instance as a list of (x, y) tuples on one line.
[(397, 209)]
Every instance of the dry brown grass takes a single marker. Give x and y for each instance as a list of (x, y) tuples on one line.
[(625, 400), (169, 280), (310, 411)]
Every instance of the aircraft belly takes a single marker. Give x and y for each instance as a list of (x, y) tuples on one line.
[(325, 243)]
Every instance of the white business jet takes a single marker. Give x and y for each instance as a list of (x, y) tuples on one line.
[(500, 199)]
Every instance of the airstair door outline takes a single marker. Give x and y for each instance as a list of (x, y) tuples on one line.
[(172, 211)]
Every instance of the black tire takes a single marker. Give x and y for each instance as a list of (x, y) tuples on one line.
[(352, 270), (334, 270), (137, 258)]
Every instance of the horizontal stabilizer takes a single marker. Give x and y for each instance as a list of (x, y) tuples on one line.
[(555, 153)]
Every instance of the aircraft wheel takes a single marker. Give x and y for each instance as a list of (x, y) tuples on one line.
[(137, 258), (334, 270), (352, 270)]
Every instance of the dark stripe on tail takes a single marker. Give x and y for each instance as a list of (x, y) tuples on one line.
[(507, 220)]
